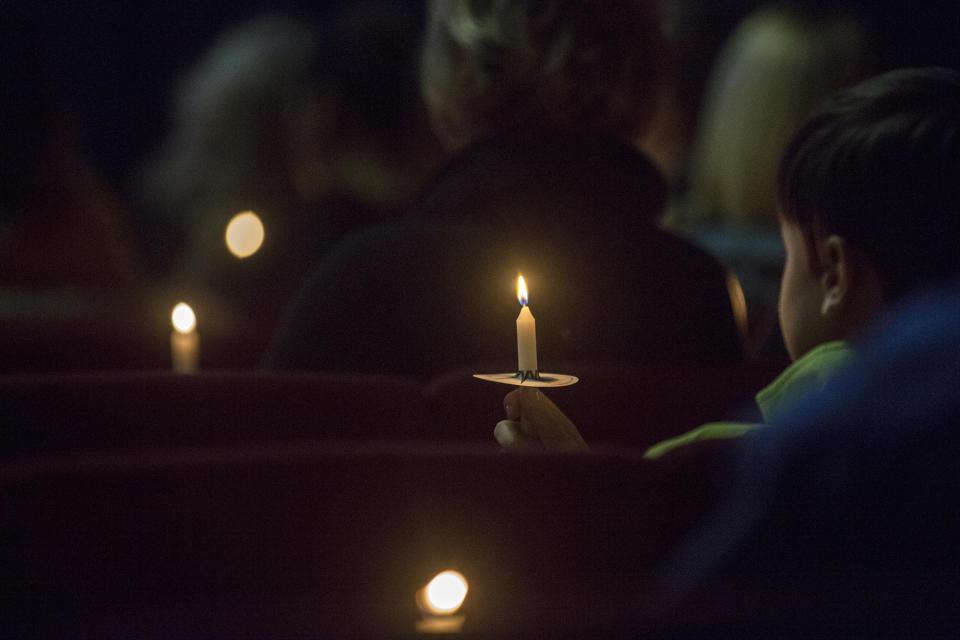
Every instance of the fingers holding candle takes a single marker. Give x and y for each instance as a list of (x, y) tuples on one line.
[(533, 419), (509, 433)]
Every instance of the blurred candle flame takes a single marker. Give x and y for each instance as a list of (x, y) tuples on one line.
[(244, 234), (446, 592), (183, 318)]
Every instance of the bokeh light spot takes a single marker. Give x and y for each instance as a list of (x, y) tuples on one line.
[(245, 234)]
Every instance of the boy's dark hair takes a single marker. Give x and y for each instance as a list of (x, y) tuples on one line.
[(879, 165)]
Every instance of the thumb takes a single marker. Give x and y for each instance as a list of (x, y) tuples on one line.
[(510, 436)]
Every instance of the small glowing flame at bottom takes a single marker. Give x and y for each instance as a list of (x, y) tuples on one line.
[(446, 592)]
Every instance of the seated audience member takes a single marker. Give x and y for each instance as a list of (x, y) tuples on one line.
[(318, 130), (572, 215), (775, 67), (842, 520), (542, 103), (869, 212), (520, 68)]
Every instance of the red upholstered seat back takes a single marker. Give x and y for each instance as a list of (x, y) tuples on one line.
[(125, 410), (330, 540)]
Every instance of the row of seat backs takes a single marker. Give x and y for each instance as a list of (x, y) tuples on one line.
[(331, 539), (239, 503), (632, 407)]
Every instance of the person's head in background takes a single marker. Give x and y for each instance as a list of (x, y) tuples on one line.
[(869, 205), (379, 139), (526, 66), (775, 67), (318, 129), (240, 125), (280, 113)]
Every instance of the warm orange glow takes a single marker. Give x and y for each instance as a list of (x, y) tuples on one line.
[(245, 234), (184, 320), (522, 291), (739, 303), (446, 592)]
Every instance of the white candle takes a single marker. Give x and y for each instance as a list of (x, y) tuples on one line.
[(526, 333), (184, 340)]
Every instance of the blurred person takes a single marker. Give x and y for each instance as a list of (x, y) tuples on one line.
[(317, 130), (520, 67), (234, 146), (696, 30), (572, 214), (542, 104), (869, 214), (524, 67), (780, 61)]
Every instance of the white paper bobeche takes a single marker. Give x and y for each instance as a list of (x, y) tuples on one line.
[(544, 379)]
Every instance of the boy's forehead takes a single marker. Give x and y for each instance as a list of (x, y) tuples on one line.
[(808, 228), (783, 217), (794, 236)]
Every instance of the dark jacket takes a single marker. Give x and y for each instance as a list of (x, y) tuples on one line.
[(576, 215)]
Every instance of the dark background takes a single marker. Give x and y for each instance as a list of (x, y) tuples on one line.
[(113, 64)]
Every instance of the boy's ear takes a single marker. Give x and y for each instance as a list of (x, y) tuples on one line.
[(836, 260)]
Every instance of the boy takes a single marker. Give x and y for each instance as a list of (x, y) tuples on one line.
[(869, 194)]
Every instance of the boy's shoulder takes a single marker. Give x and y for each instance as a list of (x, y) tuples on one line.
[(706, 432), (808, 374)]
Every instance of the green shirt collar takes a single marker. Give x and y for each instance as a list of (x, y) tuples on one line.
[(809, 373)]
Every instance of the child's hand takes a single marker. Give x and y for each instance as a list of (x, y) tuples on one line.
[(533, 421)]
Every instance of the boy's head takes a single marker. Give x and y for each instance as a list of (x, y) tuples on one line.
[(869, 195)]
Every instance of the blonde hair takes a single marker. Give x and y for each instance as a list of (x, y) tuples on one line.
[(773, 70), (529, 65)]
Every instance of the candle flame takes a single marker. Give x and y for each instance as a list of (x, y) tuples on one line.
[(446, 592), (184, 320), (522, 291)]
